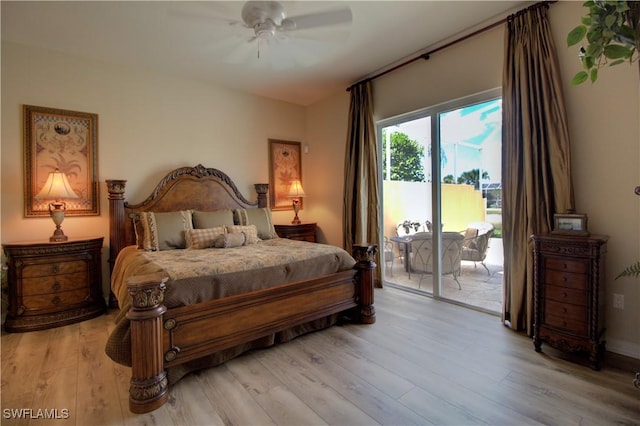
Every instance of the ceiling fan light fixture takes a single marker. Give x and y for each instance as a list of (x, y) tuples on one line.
[(265, 30)]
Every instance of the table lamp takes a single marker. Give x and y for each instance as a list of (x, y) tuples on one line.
[(296, 192), (57, 188)]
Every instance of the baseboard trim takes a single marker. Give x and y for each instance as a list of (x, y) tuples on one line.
[(623, 355)]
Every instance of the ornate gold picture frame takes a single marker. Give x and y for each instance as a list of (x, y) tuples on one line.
[(64, 140), (285, 165)]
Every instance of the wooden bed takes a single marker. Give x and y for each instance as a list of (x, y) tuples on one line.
[(162, 338)]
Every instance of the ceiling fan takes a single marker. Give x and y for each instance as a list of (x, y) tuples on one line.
[(265, 23), (267, 18)]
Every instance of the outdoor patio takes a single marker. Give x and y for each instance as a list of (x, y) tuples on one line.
[(479, 288)]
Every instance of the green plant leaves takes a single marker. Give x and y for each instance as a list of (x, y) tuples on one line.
[(611, 36), (631, 271), (576, 35), (580, 78), (617, 51)]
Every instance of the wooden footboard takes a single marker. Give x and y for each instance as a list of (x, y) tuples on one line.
[(162, 338)]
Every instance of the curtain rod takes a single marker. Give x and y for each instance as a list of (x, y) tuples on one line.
[(426, 55)]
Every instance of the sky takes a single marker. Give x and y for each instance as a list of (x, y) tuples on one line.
[(471, 138)]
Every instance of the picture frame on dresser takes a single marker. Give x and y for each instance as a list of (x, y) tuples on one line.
[(64, 140), (285, 166), (570, 224)]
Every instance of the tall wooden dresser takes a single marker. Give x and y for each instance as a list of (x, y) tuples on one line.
[(53, 284), (569, 294)]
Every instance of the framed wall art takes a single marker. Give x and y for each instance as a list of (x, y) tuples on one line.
[(63, 140), (285, 166), (570, 224)]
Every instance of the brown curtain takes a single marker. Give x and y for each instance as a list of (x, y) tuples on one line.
[(536, 172), (361, 203)]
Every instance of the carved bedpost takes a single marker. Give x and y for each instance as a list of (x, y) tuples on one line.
[(116, 218), (262, 189), (149, 383), (365, 257)]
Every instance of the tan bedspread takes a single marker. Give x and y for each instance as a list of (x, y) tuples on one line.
[(199, 275)]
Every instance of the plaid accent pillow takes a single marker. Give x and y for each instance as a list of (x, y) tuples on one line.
[(203, 238), (249, 230)]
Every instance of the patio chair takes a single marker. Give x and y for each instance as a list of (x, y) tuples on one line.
[(422, 254), (476, 243), (388, 254)]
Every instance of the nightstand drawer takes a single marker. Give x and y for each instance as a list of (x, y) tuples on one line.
[(52, 284), (567, 316), (566, 295), (571, 325), (60, 267), (55, 283), (565, 279), (60, 300), (300, 232), (565, 265)]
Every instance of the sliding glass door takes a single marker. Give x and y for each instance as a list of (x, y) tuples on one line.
[(441, 205)]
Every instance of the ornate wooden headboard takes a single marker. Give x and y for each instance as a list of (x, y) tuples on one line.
[(197, 188)]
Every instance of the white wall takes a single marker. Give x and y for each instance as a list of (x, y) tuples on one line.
[(324, 165)]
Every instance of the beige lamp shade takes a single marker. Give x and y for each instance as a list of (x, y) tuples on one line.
[(57, 188), (295, 189), (296, 192)]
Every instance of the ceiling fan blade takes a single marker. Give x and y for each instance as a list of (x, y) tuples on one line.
[(322, 19)]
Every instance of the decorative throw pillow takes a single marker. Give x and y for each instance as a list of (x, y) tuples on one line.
[(470, 238), (165, 231), (203, 238), (230, 240), (202, 220), (261, 218), (250, 232)]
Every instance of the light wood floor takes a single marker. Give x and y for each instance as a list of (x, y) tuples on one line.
[(422, 362)]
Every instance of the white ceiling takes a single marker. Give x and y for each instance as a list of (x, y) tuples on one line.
[(189, 39)]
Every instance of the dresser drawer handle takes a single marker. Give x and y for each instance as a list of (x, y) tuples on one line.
[(56, 268), (56, 286), (55, 300), (565, 295), (564, 310)]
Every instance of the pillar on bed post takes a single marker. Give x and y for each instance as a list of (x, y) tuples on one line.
[(365, 258), (149, 383), (262, 189), (116, 225), (116, 218)]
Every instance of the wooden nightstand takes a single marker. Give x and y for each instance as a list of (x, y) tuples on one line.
[(302, 232), (569, 294), (53, 284)]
